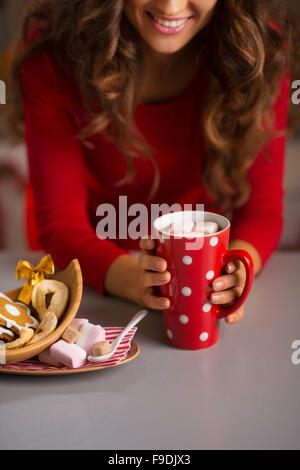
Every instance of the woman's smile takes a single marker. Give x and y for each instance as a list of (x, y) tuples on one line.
[(168, 26), (171, 25)]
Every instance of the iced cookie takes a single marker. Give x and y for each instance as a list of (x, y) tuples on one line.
[(15, 315), (6, 335)]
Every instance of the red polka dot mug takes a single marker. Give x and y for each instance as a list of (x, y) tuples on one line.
[(194, 260)]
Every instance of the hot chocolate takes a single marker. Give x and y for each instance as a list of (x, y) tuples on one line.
[(189, 227)]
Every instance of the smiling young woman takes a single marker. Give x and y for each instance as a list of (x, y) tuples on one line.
[(163, 101)]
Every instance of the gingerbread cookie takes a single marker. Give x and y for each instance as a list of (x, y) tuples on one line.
[(15, 315), (6, 335)]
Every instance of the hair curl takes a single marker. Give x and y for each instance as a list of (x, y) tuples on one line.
[(248, 55)]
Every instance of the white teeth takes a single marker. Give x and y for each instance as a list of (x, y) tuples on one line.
[(169, 24)]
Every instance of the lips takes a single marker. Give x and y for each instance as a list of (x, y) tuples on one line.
[(168, 27), (166, 18)]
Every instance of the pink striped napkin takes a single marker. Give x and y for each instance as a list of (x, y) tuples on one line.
[(110, 334)]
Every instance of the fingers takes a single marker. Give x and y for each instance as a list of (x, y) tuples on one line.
[(236, 275), (228, 288), (149, 279), (152, 273), (236, 316), (232, 266), (226, 282), (147, 244), (154, 302), (227, 296), (152, 262)]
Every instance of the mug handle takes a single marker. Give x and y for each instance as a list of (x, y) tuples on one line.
[(245, 258)]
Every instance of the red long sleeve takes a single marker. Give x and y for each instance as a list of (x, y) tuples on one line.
[(56, 175), (260, 220)]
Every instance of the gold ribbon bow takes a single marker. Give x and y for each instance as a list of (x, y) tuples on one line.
[(34, 274)]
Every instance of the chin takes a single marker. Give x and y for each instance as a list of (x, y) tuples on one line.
[(163, 47)]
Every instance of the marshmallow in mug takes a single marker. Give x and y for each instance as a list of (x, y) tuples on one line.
[(181, 227)]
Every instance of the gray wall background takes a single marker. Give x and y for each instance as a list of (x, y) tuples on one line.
[(11, 12)]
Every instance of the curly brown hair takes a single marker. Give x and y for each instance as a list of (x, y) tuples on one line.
[(252, 45)]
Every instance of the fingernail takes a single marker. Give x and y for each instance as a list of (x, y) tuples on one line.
[(218, 285), (216, 297), (160, 265), (163, 277)]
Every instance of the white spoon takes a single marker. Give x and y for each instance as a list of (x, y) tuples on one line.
[(115, 343)]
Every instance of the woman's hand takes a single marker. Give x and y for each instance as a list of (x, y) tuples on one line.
[(152, 273), (229, 287)]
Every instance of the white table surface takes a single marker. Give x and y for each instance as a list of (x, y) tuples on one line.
[(242, 393)]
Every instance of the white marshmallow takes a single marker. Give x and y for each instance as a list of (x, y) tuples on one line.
[(210, 228), (184, 226), (178, 228)]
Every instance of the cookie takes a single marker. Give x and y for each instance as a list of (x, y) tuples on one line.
[(15, 315), (47, 326), (6, 335), (25, 335), (59, 299)]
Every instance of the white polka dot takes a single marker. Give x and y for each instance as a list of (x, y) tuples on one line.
[(162, 240), (184, 319), (170, 334), (206, 307), (187, 260), (204, 337), (12, 310), (210, 275), (214, 241), (186, 291)]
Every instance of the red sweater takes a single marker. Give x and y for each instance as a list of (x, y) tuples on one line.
[(69, 181)]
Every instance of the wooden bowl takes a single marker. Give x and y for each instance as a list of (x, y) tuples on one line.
[(72, 277)]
